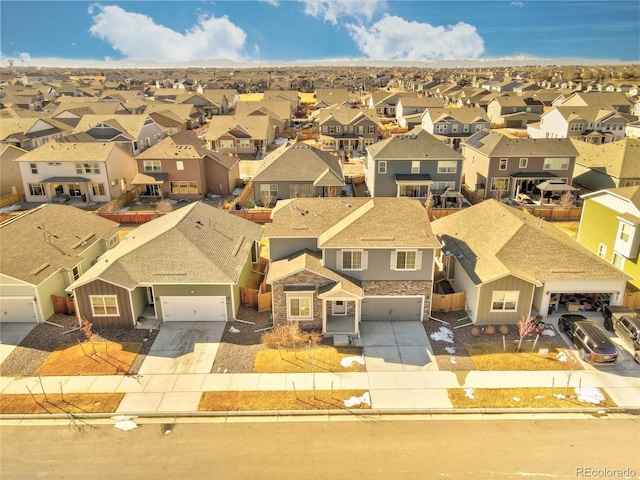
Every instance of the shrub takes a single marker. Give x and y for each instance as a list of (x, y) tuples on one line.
[(504, 329), (164, 207), (288, 336), (475, 332), (490, 330)]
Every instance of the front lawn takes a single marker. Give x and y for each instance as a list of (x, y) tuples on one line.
[(321, 358), (284, 400), (491, 356), (58, 403), (90, 358), (558, 397)]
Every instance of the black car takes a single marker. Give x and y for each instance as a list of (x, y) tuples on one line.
[(592, 342), (627, 328)]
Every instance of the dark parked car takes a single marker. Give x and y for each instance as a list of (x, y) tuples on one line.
[(628, 329), (611, 313), (592, 342)]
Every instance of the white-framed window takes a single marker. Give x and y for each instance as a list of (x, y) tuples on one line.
[(84, 168), (465, 127), (504, 301), (360, 130), (97, 189), (441, 128), (626, 231), (382, 166), (338, 129), (602, 250), (352, 259), (406, 260), (479, 127), (556, 164), (36, 189), (332, 129), (74, 189), (503, 164), (415, 166), (227, 144), (447, 166), (499, 184), (617, 261), (179, 165), (576, 127), (104, 305), (270, 189), (631, 183), (523, 162), (454, 128), (324, 129), (152, 165), (34, 168), (300, 305), (184, 186), (372, 129), (244, 143)]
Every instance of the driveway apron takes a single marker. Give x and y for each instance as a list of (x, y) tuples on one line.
[(11, 334), (184, 347)]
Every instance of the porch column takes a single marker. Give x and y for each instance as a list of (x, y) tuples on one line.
[(324, 315)]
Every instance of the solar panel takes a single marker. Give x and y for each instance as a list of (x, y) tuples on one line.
[(475, 139)]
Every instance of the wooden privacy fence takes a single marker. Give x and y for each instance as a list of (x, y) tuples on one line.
[(63, 305), (254, 215), (260, 297), (129, 217), (555, 213), (448, 302), (632, 299), (11, 199)]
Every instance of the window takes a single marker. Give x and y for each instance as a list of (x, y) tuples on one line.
[(360, 130), (302, 190), (372, 129), (447, 166), (524, 162), (625, 232), (415, 166), (503, 164), (54, 164), (152, 165), (34, 168), (36, 189), (184, 186), (226, 144), (83, 168), (617, 261), (556, 164), (576, 127), (97, 189), (179, 165), (499, 184), (414, 191), (76, 272), (504, 301), (602, 250), (479, 127), (338, 129), (382, 166), (300, 306), (74, 190), (351, 260), (324, 129), (104, 305), (454, 128), (406, 260), (631, 183), (58, 189), (440, 128), (270, 189), (244, 143), (332, 129), (465, 128)]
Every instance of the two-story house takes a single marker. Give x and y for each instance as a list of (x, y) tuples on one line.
[(612, 165), (610, 227), (10, 179), (415, 164), (181, 167), (409, 110), (499, 165), (29, 133), (513, 111), (278, 111), (603, 100), (453, 125), (78, 172), (247, 136), (347, 130), (336, 262)]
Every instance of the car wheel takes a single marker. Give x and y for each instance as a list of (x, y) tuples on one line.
[(608, 324), (562, 327), (636, 356)]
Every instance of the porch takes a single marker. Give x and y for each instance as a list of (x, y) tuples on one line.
[(341, 325)]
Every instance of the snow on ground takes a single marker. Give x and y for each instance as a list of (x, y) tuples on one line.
[(234, 330), (549, 333), (589, 395), (450, 350), (11, 208), (453, 360), (353, 401), (346, 362), (562, 357), (442, 335), (559, 396), (126, 425), (516, 399), (538, 397), (468, 392)]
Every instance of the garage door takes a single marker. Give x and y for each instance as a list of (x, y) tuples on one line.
[(391, 308), (194, 309), (17, 309)]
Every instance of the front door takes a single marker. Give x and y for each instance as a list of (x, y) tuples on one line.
[(339, 307), (150, 299)]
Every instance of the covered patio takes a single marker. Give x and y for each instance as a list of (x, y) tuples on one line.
[(150, 185)]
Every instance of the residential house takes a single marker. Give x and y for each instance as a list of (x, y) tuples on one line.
[(29, 133), (453, 125), (248, 136), (297, 170), (228, 98), (332, 97), (43, 252), (70, 113), (499, 165), (616, 101), (78, 172), (610, 227), (513, 111), (10, 179), (612, 165), (187, 265), (347, 130), (415, 164), (336, 262), (189, 115), (181, 167), (409, 110), (384, 103), (278, 111), (588, 124), (205, 104), (512, 265)]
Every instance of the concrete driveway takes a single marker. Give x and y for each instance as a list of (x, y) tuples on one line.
[(396, 346), (184, 347), (11, 334)]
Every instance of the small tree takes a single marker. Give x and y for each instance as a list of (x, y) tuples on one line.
[(87, 329), (164, 207), (525, 327), (566, 199), (428, 205)]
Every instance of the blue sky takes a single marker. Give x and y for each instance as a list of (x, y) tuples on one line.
[(307, 30)]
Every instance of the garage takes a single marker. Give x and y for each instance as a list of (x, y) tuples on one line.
[(17, 309), (194, 309), (392, 308)]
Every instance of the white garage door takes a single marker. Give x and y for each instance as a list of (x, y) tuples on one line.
[(17, 309), (194, 309), (391, 308)]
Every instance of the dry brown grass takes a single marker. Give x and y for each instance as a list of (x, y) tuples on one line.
[(317, 359), (72, 403), (491, 356), (528, 398), (90, 358), (278, 400), (568, 227)]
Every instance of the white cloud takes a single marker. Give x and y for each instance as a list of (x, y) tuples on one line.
[(274, 3), (394, 38), (331, 10), (517, 4), (137, 36)]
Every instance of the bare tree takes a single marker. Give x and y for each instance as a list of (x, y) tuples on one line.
[(526, 325), (164, 207), (566, 199), (497, 194)]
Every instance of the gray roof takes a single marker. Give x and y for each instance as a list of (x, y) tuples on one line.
[(418, 144), (619, 159), (196, 244), (494, 144)]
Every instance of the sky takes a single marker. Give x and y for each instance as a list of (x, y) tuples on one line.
[(46, 33)]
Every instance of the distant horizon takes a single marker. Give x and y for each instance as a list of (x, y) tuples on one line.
[(292, 33)]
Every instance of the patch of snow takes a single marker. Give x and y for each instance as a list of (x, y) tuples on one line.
[(11, 208), (453, 360), (549, 333), (353, 401), (125, 209), (538, 397), (171, 201), (126, 425), (516, 399), (346, 362), (234, 330), (450, 350), (468, 392), (590, 395), (559, 395), (562, 357), (442, 335)]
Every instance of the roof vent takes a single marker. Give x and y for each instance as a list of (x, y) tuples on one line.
[(40, 268)]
